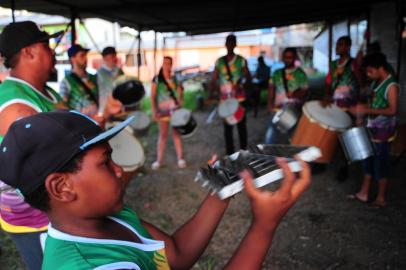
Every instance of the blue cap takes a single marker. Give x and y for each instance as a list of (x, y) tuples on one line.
[(39, 145), (72, 51)]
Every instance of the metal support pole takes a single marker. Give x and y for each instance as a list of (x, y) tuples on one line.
[(139, 55), (13, 8), (330, 42), (155, 45), (73, 26), (401, 26)]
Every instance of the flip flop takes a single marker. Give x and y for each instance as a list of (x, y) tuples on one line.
[(355, 197), (377, 205)]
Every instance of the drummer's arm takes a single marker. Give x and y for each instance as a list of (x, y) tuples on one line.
[(247, 73), (12, 113), (393, 93), (186, 245), (271, 97), (213, 83), (180, 94), (153, 101)]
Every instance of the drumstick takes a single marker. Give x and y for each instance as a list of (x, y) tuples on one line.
[(212, 115)]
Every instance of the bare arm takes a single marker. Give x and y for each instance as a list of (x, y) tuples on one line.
[(213, 83), (187, 244), (269, 209), (153, 101), (180, 94), (12, 113), (393, 94)]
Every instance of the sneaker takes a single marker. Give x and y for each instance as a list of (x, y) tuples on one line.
[(181, 163), (156, 165)]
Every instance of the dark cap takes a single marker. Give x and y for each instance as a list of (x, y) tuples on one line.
[(72, 51), (18, 35), (39, 145), (109, 50)]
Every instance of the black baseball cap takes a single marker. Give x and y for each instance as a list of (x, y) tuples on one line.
[(75, 48), (109, 50), (18, 35), (39, 145)]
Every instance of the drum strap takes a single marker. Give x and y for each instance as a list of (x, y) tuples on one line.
[(230, 75), (85, 87), (170, 90), (285, 81)]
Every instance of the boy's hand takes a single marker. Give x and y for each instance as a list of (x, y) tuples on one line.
[(269, 207)]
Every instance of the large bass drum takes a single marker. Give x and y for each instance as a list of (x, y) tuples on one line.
[(357, 144), (319, 126)]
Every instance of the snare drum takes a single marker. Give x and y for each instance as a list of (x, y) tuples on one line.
[(141, 123), (286, 118), (128, 153), (182, 120), (319, 127), (357, 144), (231, 111)]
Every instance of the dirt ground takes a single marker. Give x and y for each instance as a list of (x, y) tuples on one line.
[(324, 230)]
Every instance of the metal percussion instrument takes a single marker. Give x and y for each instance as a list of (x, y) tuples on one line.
[(357, 144), (286, 118)]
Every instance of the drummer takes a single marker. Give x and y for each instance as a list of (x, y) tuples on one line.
[(79, 88), (381, 124), (344, 76), (289, 87), (229, 72), (106, 75), (166, 96)]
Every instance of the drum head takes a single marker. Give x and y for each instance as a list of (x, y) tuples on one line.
[(141, 120), (331, 116), (128, 90), (127, 151), (180, 117), (228, 107)]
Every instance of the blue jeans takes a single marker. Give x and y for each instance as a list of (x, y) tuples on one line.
[(274, 136), (378, 165), (29, 248)]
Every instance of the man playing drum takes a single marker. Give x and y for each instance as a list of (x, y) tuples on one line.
[(79, 88), (343, 78), (381, 124), (229, 72), (25, 49), (106, 75), (289, 88)]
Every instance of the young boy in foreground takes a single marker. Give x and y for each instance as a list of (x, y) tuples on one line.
[(62, 163)]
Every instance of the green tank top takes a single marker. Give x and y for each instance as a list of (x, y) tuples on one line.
[(64, 251), (162, 90), (14, 90), (236, 69), (380, 95)]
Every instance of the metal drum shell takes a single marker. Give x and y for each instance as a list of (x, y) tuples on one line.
[(183, 121), (286, 119), (356, 143)]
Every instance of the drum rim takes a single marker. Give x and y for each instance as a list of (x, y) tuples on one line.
[(173, 119), (143, 158), (323, 125), (222, 104)]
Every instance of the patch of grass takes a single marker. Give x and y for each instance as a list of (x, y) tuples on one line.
[(9, 257), (207, 263), (165, 221)]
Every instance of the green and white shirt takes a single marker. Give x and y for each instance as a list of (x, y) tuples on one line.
[(76, 95), (65, 251), (16, 216), (237, 65), (382, 127), (296, 80)]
